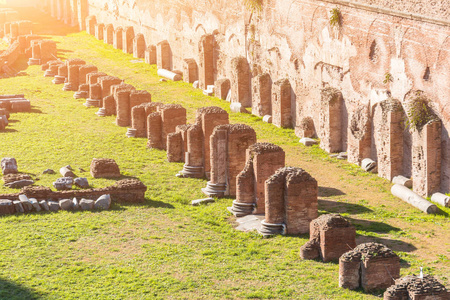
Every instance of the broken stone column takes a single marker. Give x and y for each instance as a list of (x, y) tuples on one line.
[(262, 95), (48, 51), (118, 38), (359, 136), (388, 137), (72, 78), (35, 58), (90, 24), (228, 145), (413, 287), (83, 91), (330, 236), (414, 199), (427, 158), (127, 39), (262, 161), (222, 88), (330, 120), (154, 129), (206, 61), (177, 143), (99, 30), (95, 89), (139, 46), (83, 71), (281, 103), (139, 114), (108, 35), (376, 265), (106, 82), (175, 150), (125, 101), (290, 202), (150, 55), (190, 70), (193, 166), (61, 73), (240, 82), (73, 66), (164, 55), (164, 122)]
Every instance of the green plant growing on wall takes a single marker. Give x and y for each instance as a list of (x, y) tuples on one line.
[(254, 5), (335, 18), (388, 78), (418, 112)]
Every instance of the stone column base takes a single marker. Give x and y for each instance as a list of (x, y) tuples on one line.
[(269, 229), (215, 189), (239, 209)]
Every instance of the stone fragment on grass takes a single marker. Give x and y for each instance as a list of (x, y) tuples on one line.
[(81, 182), (18, 206), (6, 207), (66, 172), (63, 183), (19, 184), (53, 206), (44, 205), (35, 204), (65, 204), (308, 141), (202, 201), (267, 119), (9, 165), (103, 202), (48, 171), (86, 204)]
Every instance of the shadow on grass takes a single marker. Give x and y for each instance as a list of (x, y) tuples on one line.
[(342, 207), (373, 226), (8, 130), (149, 203), (329, 192), (395, 245), (13, 291)]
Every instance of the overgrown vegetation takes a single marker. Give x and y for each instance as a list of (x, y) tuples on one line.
[(254, 5), (335, 18), (418, 112), (388, 78), (165, 248)]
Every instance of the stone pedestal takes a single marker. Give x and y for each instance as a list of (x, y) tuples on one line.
[(127, 39), (118, 38), (377, 266), (106, 83), (427, 158), (388, 137), (281, 103), (99, 30), (139, 46), (83, 71), (177, 143), (164, 56), (222, 88), (90, 24), (332, 235), (262, 95), (193, 166), (359, 136), (330, 120), (206, 61), (240, 81), (190, 70), (150, 55)]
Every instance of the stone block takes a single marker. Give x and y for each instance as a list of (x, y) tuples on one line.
[(104, 168), (190, 70), (262, 95), (281, 103), (240, 81)]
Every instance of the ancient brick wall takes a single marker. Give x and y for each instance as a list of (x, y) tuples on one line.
[(294, 40)]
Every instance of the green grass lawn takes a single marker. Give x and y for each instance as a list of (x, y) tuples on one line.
[(165, 248)]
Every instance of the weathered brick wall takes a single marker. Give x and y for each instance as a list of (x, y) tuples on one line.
[(294, 40)]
